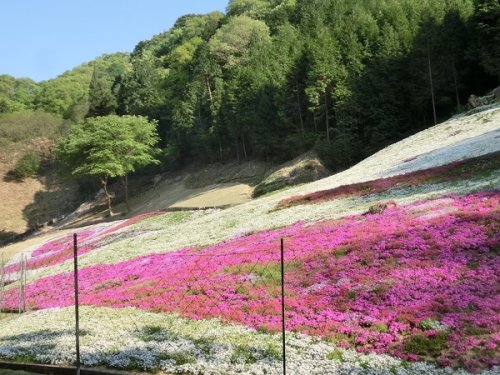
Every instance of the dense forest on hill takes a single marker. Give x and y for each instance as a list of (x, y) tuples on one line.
[(273, 78)]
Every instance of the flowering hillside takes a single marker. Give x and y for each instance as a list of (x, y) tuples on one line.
[(387, 273)]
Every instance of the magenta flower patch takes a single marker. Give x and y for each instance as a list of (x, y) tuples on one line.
[(404, 282)]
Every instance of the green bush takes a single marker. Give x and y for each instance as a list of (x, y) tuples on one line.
[(341, 152), (22, 126), (27, 166), (426, 345)]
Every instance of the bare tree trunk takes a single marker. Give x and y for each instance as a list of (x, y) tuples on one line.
[(300, 112), (125, 184), (22, 285), (432, 83), (327, 119), (237, 149), (455, 81), (244, 148), (104, 184), (220, 150), (199, 116), (2, 281), (209, 91), (25, 273)]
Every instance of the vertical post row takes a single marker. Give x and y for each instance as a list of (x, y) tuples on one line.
[(77, 316), (283, 306), (22, 280), (25, 282), (24, 267), (2, 281)]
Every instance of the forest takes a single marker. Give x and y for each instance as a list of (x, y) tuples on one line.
[(270, 79)]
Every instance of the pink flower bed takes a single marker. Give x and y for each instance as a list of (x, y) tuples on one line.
[(460, 170), (61, 249), (403, 282)]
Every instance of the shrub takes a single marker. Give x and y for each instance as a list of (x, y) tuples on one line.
[(26, 125), (27, 166), (426, 345), (341, 152)]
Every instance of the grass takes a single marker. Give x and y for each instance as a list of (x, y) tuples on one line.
[(336, 355), (426, 345), (268, 274), (159, 222), (381, 327)]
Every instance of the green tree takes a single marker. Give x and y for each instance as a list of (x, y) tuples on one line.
[(231, 43), (109, 146), (60, 94), (326, 77), (140, 90), (251, 8), (486, 25), (16, 94), (102, 102)]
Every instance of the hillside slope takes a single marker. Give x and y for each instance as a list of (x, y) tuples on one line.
[(412, 281)]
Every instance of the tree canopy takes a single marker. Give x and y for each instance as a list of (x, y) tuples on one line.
[(273, 78), (109, 146)]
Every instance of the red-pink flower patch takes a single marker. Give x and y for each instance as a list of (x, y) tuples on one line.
[(460, 170)]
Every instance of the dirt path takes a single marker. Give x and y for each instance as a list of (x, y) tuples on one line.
[(14, 197), (177, 196), (166, 196)]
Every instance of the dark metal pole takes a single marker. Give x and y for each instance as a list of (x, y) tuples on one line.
[(77, 315), (283, 306)]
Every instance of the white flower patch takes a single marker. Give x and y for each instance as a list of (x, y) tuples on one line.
[(456, 139), (138, 340)]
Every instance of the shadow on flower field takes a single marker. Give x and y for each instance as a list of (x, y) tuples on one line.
[(43, 334)]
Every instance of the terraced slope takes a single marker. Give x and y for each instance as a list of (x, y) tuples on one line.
[(385, 274)]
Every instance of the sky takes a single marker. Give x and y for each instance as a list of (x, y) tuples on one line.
[(41, 39)]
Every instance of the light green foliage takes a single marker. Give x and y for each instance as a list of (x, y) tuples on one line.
[(16, 94), (59, 95), (184, 53), (232, 42), (335, 355), (251, 8), (381, 327), (109, 146)]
